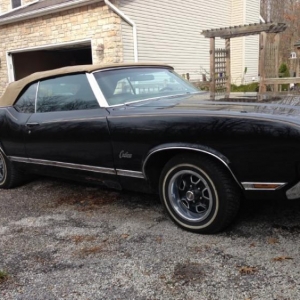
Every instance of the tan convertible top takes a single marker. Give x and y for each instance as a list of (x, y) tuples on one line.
[(13, 89)]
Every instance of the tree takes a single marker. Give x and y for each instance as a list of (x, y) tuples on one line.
[(287, 11)]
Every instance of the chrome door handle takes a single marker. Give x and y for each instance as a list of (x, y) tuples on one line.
[(30, 125)]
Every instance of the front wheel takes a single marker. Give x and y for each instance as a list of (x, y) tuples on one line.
[(198, 194)]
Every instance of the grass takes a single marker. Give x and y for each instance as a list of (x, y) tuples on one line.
[(3, 275)]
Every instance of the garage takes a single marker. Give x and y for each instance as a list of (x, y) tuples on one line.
[(27, 61)]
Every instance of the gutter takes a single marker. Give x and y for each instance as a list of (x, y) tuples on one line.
[(130, 22), (44, 11)]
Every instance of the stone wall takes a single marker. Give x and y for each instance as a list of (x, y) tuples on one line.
[(96, 22)]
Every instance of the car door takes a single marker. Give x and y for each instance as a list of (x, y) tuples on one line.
[(68, 128)]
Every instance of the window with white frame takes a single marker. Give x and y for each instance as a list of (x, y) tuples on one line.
[(15, 3)]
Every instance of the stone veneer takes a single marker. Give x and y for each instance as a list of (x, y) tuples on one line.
[(96, 22)]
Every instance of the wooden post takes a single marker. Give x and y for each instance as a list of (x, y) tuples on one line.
[(262, 68), (277, 41), (212, 69), (228, 68), (297, 62)]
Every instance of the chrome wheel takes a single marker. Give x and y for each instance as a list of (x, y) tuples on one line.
[(190, 195), (2, 168)]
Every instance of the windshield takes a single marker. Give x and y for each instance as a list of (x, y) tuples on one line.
[(127, 85)]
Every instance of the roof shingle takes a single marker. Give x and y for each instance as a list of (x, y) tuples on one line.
[(41, 8)]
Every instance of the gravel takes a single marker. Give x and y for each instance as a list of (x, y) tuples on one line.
[(62, 240)]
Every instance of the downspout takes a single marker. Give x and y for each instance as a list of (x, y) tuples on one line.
[(262, 20), (130, 22)]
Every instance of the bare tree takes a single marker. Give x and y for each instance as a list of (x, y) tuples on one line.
[(287, 11)]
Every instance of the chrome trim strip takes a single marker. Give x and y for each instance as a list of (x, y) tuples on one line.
[(193, 149), (128, 173), (154, 98), (36, 95), (248, 186), (71, 120), (153, 66), (63, 165), (96, 90)]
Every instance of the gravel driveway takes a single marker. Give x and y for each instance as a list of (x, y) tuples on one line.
[(62, 240)]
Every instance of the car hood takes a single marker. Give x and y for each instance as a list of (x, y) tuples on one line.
[(289, 106)]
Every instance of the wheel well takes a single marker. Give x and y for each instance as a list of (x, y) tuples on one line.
[(156, 162)]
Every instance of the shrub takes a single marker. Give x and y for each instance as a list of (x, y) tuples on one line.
[(284, 72), (251, 87)]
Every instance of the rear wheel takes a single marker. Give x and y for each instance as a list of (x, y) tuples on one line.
[(10, 176), (198, 194)]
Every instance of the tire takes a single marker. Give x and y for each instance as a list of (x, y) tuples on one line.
[(10, 176), (199, 194)]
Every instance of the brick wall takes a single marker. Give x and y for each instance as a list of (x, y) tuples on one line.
[(96, 22)]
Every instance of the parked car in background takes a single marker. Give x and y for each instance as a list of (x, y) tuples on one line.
[(142, 127)]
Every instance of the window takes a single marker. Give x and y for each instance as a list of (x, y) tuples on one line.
[(71, 92), (26, 101), (15, 3), (126, 85)]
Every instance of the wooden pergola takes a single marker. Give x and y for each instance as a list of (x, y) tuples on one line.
[(240, 31)]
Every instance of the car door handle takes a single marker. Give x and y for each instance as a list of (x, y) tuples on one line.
[(30, 125)]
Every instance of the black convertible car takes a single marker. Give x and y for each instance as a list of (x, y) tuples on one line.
[(142, 127)]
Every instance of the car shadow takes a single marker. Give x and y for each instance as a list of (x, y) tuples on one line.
[(266, 217)]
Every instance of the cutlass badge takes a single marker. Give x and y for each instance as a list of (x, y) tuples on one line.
[(125, 154)]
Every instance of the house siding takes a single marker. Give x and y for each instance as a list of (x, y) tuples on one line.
[(245, 50), (95, 22), (170, 32), (237, 44), (252, 42)]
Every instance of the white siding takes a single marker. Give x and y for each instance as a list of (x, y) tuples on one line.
[(252, 42), (245, 50), (237, 44), (170, 31)]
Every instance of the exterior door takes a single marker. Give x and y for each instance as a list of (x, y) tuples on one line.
[(68, 128)]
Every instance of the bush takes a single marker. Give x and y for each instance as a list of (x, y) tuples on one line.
[(251, 87), (284, 72)]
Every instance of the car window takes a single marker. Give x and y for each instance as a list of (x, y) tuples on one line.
[(71, 92), (125, 85), (26, 101)]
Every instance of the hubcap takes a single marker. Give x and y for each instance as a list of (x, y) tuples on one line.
[(190, 195)]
